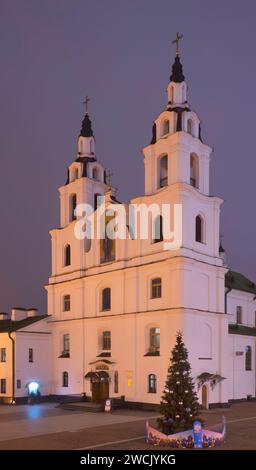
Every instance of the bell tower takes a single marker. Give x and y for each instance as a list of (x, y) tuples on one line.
[(178, 159), (176, 153), (86, 177)]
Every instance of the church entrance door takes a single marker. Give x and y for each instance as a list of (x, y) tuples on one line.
[(100, 391)]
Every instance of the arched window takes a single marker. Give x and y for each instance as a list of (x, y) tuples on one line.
[(72, 207), (97, 200), (239, 315), (248, 358), (91, 146), (158, 229), (65, 379), (67, 255), (183, 94), (66, 345), (194, 170), (116, 382), (87, 244), (107, 243), (156, 288), (75, 174), (151, 383), (106, 299), (165, 127), (106, 340), (190, 126), (199, 229), (154, 340), (163, 171), (172, 94), (95, 174), (66, 303)]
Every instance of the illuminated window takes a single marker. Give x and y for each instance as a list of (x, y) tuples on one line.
[(3, 355), (65, 379), (156, 288), (3, 385), (33, 388), (30, 355), (106, 340), (66, 303), (106, 299), (154, 339), (129, 379), (67, 255), (239, 316), (152, 383)]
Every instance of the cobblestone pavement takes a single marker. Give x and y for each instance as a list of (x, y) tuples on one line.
[(49, 427)]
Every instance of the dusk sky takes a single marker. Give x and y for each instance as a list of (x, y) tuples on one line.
[(119, 52)]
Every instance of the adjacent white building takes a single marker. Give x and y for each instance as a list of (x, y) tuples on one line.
[(115, 306), (24, 354)]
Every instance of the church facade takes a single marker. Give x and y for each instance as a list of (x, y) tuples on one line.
[(114, 307), (120, 310)]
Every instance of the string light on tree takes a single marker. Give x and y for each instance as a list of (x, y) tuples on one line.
[(179, 406)]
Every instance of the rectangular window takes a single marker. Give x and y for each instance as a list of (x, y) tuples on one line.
[(152, 383), (156, 288), (3, 385), (239, 315), (3, 354), (18, 383), (106, 340), (154, 339), (106, 299), (66, 344), (66, 303), (30, 355)]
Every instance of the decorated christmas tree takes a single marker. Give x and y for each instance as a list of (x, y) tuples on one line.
[(179, 405)]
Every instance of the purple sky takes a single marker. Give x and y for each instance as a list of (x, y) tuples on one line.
[(119, 52)]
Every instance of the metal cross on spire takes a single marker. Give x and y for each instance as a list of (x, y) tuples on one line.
[(177, 42), (86, 102)]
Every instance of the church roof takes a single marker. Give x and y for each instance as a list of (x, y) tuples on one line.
[(9, 325), (86, 129), (237, 281), (235, 329), (177, 72)]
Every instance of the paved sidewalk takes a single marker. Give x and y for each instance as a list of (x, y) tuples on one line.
[(48, 427)]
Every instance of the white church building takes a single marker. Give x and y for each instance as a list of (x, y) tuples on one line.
[(115, 306)]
